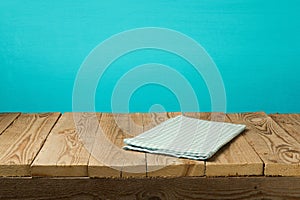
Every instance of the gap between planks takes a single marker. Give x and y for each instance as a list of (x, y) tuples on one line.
[(279, 151), (6, 119), (289, 122), (281, 155), (67, 149), (22, 140), (117, 127), (108, 159), (237, 158)]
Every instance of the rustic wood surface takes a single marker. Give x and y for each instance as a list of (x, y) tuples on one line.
[(237, 158), (78, 146), (237, 188), (135, 164), (289, 122), (21, 142), (108, 159), (6, 119), (279, 151), (64, 153), (90, 144), (109, 135)]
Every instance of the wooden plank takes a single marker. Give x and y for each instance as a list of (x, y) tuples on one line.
[(20, 143), (108, 159), (135, 162), (237, 158), (230, 188), (7, 119), (67, 149), (102, 162), (166, 166), (279, 151), (289, 122)]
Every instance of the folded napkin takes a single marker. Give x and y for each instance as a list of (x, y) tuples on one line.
[(185, 137)]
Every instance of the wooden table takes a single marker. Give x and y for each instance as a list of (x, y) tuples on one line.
[(79, 155)]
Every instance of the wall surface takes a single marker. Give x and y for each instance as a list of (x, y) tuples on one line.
[(254, 43)]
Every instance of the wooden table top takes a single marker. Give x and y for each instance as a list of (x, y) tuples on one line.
[(69, 145)]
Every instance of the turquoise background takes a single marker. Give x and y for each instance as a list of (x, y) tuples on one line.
[(254, 43)]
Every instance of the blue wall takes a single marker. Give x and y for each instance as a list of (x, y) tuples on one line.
[(255, 44)]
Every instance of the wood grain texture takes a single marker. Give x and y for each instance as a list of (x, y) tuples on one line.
[(279, 151), (289, 122), (108, 158), (67, 149), (230, 188), (20, 142), (237, 158), (102, 162), (167, 166), (135, 164), (6, 119)]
